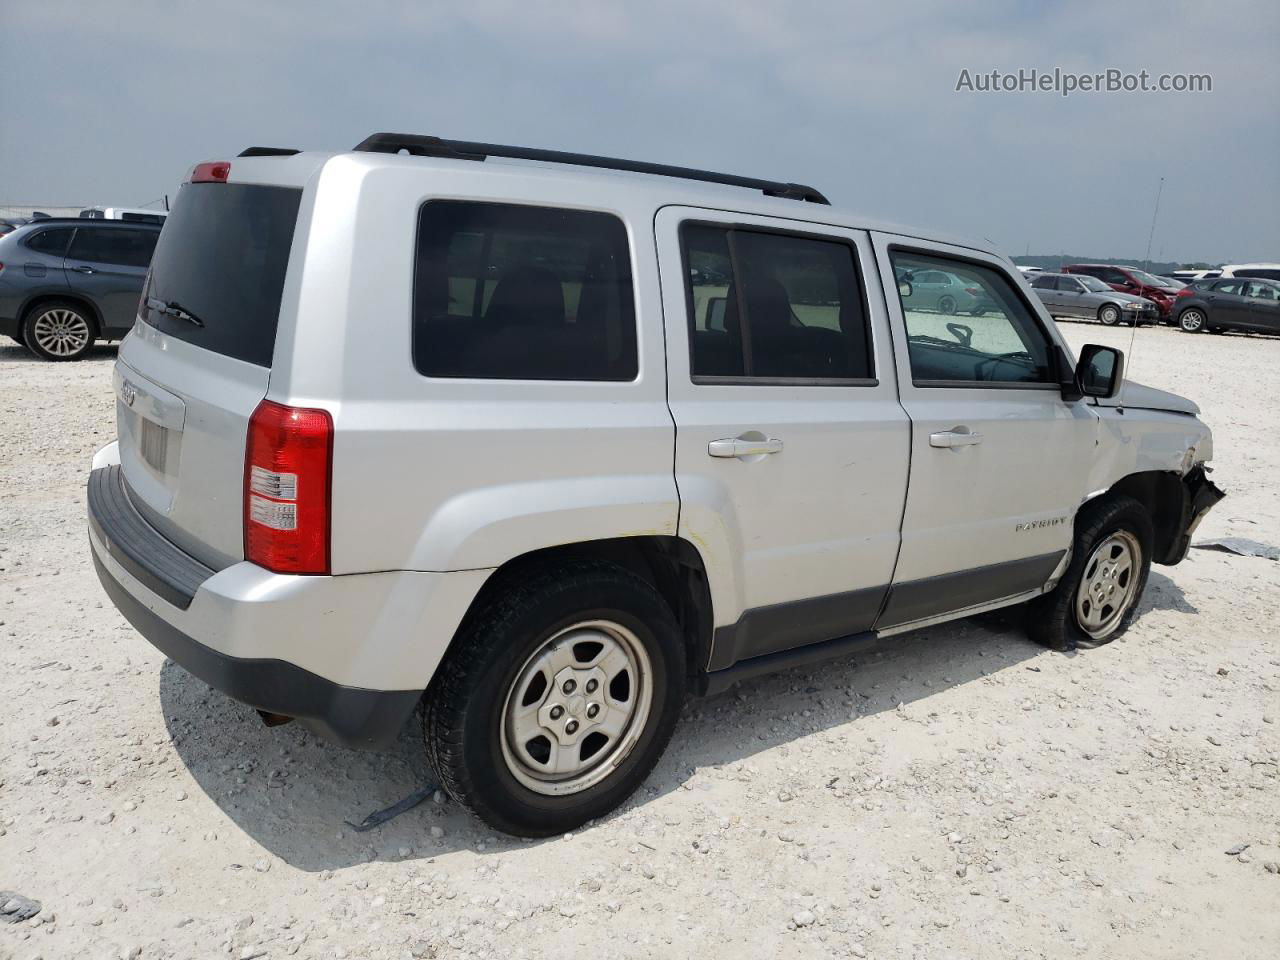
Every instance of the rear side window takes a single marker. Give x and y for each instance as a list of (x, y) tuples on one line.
[(1264, 273), (513, 292), (221, 259), (1047, 283), (773, 307), (53, 242), (122, 247)]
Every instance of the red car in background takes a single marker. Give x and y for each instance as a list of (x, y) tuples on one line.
[(1131, 280)]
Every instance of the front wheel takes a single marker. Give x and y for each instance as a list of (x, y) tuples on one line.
[(558, 699), (1098, 595), (1109, 315), (1192, 320)]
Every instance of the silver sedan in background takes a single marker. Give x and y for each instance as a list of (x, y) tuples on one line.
[(1080, 297)]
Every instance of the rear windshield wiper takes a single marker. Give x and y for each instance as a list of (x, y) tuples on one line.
[(174, 309)]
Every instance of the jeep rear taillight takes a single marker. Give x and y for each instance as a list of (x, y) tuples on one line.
[(287, 472)]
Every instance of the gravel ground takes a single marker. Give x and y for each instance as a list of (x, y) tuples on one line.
[(966, 795)]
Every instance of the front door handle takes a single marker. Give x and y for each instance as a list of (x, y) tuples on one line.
[(83, 269), (954, 438), (735, 447)]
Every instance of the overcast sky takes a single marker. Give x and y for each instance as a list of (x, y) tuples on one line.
[(110, 103)]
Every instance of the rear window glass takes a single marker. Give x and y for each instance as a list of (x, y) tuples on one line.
[(514, 292), (220, 265)]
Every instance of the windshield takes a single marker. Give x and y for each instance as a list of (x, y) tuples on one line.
[(1093, 283), (1146, 279)]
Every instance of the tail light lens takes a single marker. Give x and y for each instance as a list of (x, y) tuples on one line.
[(973, 291), (1186, 292), (287, 474)]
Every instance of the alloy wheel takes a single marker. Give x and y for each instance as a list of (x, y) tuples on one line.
[(61, 332), (1191, 321)]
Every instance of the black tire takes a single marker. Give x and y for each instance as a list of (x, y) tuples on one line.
[(464, 716), (947, 304), (1109, 314), (1052, 619), (68, 312), (1193, 320)]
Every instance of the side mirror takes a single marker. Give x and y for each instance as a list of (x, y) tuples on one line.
[(905, 289), (1100, 372)]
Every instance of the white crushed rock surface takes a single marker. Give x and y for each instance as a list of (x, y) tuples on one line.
[(966, 795)]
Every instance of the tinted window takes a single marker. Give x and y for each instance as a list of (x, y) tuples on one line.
[(771, 305), (1045, 283), (53, 242), (1228, 286), (979, 332), (522, 293), (1262, 291), (142, 217), (127, 248), (222, 258), (1266, 273)]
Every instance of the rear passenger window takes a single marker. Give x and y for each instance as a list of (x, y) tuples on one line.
[(514, 292), (773, 306), (971, 331), (123, 247), (53, 242)]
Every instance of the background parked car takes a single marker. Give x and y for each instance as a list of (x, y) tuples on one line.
[(1230, 303), (132, 214), (66, 283), (1129, 280), (1087, 298), (1190, 276), (1265, 271), (946, 293)]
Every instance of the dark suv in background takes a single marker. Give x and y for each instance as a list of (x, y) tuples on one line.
[(65, 283), (1130, 280)]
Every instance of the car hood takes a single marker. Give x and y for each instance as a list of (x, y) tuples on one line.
[(1140, 397), (1122, 297)]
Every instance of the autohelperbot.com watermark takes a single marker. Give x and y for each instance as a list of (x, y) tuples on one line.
[(1066, 82)]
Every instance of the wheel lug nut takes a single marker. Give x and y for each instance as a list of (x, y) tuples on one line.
[(557, 712), (593, 711), (571, 726), (569, 686), (591, 685)]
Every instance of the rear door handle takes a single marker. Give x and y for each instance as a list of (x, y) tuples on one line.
[(952, 438), (735, 447)]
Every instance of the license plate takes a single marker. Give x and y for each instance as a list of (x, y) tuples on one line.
[(153, 444)]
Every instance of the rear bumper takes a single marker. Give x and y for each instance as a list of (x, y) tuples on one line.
[(347, 715), (349, 656)]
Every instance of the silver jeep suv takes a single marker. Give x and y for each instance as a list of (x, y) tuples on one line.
[(547, 442)]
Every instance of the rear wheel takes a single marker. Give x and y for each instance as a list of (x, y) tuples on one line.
[(1192, 320), (1109, 314), (947, 304), (58, 330), (1098, 595), (558, 699)]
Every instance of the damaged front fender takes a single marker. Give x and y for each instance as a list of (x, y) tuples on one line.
[(1200, 495)]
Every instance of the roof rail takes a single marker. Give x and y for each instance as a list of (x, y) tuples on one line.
[(267, 152), (465, 150)]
